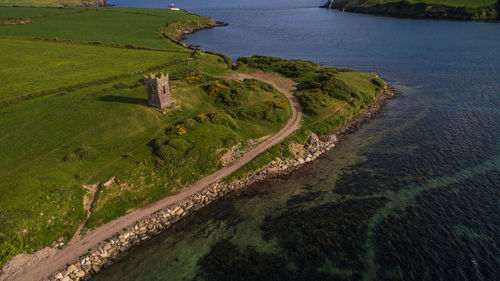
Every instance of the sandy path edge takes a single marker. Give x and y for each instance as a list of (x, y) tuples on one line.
[(47, 261)]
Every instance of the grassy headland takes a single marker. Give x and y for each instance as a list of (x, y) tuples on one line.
[(329, 96), (482, 10), (74, 112)]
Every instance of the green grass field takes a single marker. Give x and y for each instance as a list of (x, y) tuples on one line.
[(82, 93), (26, 12), (47, 3), (35, 66), (73, 111), (113, 120), (105, 25)]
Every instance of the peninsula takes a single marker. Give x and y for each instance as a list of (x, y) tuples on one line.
[(479, 10), (84, 158)]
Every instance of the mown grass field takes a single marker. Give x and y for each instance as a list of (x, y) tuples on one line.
[(26, 12), (35, 66), (126, 27)]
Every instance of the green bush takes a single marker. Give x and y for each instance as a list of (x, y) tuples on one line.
[(230, 93), (311, 101), (9, 249), (190, 123), (289, 68), (84, 152), (330, 85), (179, 144), (378, 82), (168, 153), (222, 118)]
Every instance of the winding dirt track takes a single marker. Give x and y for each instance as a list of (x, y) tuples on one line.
[(48, 261)]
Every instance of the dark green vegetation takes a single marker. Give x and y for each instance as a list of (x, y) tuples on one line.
[(306, 242), (330, 97), (484, 10)]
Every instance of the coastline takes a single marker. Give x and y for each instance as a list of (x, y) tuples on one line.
[(404, 9), (110, 250), (185, 32)]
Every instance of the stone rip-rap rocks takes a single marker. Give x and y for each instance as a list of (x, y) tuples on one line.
[(104, 256)]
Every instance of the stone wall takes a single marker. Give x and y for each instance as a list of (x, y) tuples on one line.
[(104, 256)]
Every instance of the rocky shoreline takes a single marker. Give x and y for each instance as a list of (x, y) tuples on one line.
[(405, 9), (112, 249), (184, 32)]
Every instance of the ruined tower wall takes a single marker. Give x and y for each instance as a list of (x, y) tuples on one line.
[(158, 90)]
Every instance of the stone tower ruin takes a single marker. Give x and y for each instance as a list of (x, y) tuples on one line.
[(158, 91)]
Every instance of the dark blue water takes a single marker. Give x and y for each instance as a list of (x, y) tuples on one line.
[(413, 195)]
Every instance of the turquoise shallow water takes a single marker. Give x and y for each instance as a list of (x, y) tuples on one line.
[(412, 195)]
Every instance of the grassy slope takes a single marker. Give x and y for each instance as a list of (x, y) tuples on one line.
[(454, 9), (40, 173), (47, 3), (26, 12), (105, 25), (35, 66)]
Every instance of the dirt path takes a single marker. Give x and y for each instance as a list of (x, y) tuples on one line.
[(48, 261)]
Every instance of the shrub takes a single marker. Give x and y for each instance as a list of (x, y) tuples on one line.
[(214, 88), (190, 123), (159, 141), (8, 249), (378, 82), (180, 129), (229, 142), (179, 144), (330, 85), (227, 92), (202, 118), (193, 77), (311, 101), (290, 68), (277, 104), (84, 152), (222, 118), (168, 153)]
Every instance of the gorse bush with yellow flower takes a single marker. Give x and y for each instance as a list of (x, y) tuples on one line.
[(181, 130)]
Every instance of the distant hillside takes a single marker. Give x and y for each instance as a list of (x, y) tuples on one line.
[(483, 10), (53, 3)]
